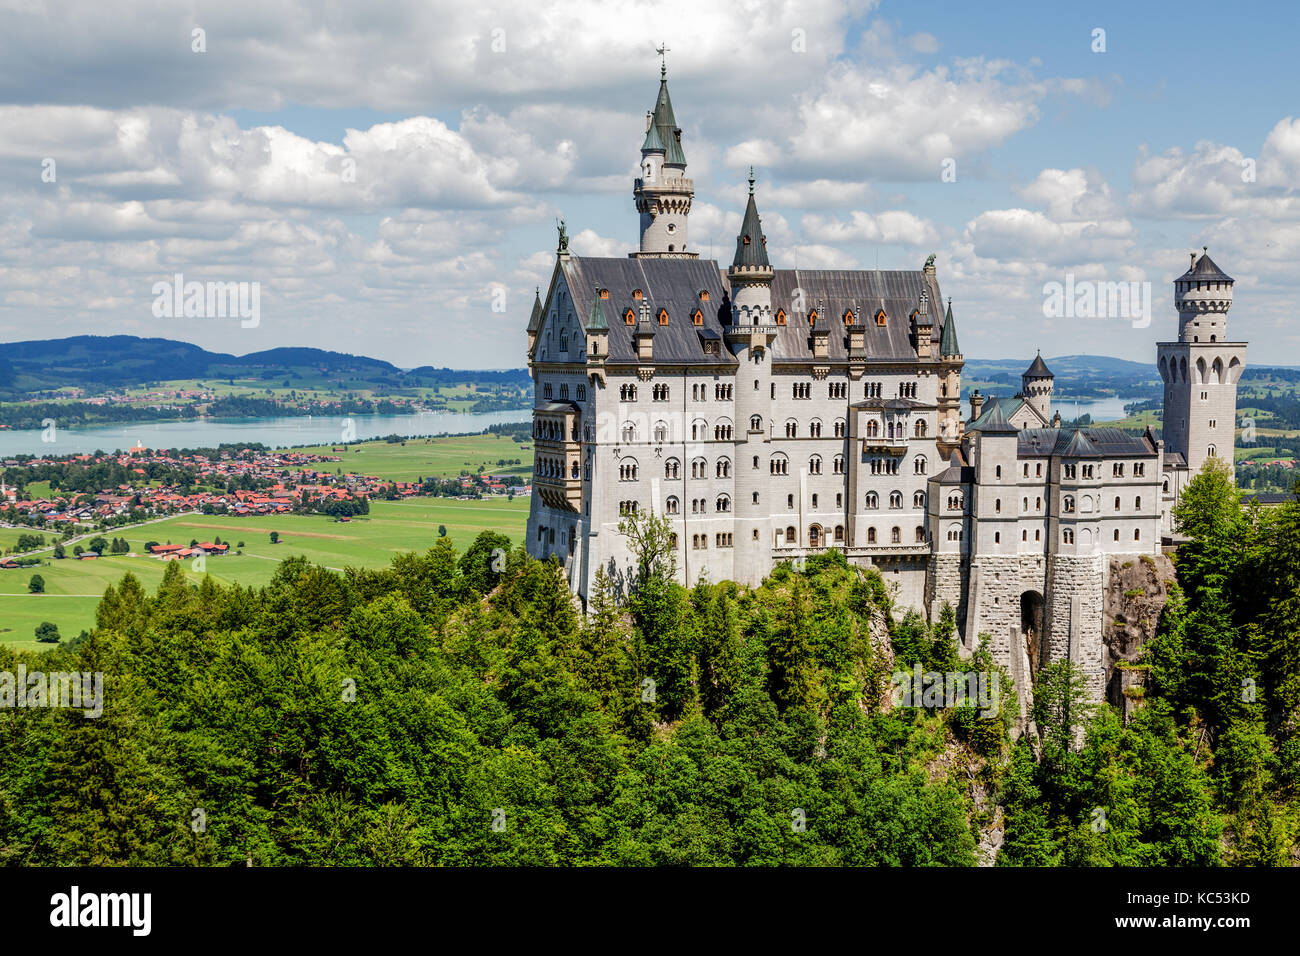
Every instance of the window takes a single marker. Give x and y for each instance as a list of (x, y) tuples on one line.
[(920, 534), (848, 317), (1067, 504), (838, 390), (672, 506), (918, 499), (582, 393), (918, 465), (659, 393), (629, 432), (1069, 471), (564, 341), (780, 316), (722, 393), (604, 293), (880, 318), (663, 316), (699, 468), (1117, 534), (697, 317), (801, 390), (791, 429), (997, 472), (636, 294), (1117, 502), (895, 499), (814, 502), (1137, 534), (1117, 470), (815, 428), (629, 317), (672, 468), (837, 464), (873, 428), (895, 535), (1211, 451), (723, 468), (954, 502), (755, 423), (871, 536), (872, 501), (919, 431), (997, 537), (1067, 536), (790, 535), (704, 295), (627, 393), (723, 539), (839, 427), (722, 504), (1137, 503), (1139, 469), (839, 534), (815, 465), (779, 465), (546, 391), (627, 470), (661, 432), (789, 502)]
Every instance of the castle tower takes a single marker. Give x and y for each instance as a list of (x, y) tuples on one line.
[(951, 427), (1200, 370), (663, 193), (1036, 385), (749, 336)]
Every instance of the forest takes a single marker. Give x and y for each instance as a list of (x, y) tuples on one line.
[(458, 709)]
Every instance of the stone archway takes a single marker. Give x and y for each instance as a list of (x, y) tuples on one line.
[(1031, 628)]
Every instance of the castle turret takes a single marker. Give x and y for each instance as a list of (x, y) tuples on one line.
[(1201, 369), (951, 427), (749, 335), (1037, 384), (663, 193)]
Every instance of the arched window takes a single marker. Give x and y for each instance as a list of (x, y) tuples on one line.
[(790, 535), (672, 506), (895, 535), (629, 432), (919, 431), (848, 317), (699, 468), (791, 429), (895, 499), (920, 534), (723, 503), (918, 499), (1067, 504), (954, 502), (837, 464), (919, 465), (815, 428), (697, 317), (629, 317), (872, 501), (661, 432), (880, 318), (873, 428), (780, 316), (1067, 536), (672, 468), (663, 316), (755, 423), (627, 469), (723, 468), (815, 465), (839, 428), (871, 536)]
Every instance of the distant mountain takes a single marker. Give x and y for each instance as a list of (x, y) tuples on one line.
[(1074, 365), (128, 360)]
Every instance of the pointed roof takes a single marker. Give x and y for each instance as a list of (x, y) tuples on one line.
[(1204, 269), (652, 141), (596, 321), (948, 340), (754, 251), (665, 125), (993, 420), (1080, 446), (1038, 369), (535, 322)]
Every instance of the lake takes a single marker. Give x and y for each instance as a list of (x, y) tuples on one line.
[(273, 432)]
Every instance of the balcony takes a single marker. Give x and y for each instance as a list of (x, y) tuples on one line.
[(564, 494)]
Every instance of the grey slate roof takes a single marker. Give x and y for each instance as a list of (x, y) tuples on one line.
[(672, 284), (1205, 269), (948, 340), (832, 292), (1082, 443), (1007, 408), (652, 140), (957, 472), (1038, 369)]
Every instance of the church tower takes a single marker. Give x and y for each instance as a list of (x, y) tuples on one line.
[(1200, 370), (750, 334), (663, 193)]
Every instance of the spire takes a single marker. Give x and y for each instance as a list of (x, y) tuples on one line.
[(751, 245), (665, 124), (596, 321), (948, 340), (1038, 369), (535, 322)]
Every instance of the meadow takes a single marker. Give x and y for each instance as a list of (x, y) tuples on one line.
[(414, 458), (73, 587)]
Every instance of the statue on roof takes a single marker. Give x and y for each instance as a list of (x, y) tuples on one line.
[(929, 260), (564, 235)]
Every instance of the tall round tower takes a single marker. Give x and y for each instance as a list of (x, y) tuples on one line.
[(749, 335), (1036, 385), (663, 193)]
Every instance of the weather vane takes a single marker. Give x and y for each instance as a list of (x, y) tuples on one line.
[(663, 59)]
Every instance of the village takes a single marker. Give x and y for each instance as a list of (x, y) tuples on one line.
[(238, 483)]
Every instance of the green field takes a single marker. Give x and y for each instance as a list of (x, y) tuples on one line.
[(432, 457), (73, 587)]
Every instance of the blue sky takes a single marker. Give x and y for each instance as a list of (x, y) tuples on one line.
[(472, 128)]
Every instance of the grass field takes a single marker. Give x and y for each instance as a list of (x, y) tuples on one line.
[(432, 457), (73, 588)]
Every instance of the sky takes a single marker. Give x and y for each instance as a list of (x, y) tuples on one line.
[(388, 175)]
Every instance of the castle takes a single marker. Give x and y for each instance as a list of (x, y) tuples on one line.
[(771, 414)]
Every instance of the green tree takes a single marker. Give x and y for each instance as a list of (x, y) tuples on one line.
[(36, 585), (47, 633)]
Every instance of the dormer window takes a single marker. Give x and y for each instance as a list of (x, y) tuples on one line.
[(848, 317), (745, 240), (663, 316), (636, 294), (780, 316), (604, 293), (812, 317), (704, 295), (629, 317), (880, 318), (698, 317)]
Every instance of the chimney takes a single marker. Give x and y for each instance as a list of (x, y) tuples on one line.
[(976, 403)]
